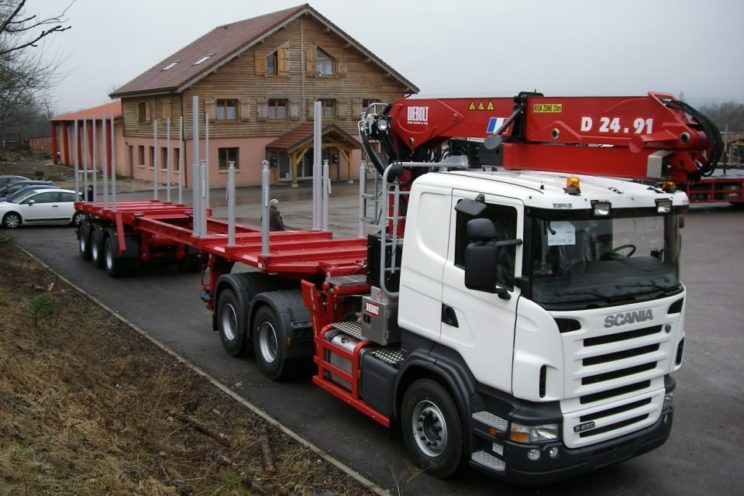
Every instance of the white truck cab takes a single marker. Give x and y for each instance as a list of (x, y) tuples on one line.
[(558, 299)]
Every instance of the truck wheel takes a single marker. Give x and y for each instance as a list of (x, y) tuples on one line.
[(12, 220), (96, 247), (115, 265), (269, 343), (431, 427), (232, 329), (84, 240)]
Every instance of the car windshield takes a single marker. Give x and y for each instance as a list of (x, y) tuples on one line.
[(604, 261)]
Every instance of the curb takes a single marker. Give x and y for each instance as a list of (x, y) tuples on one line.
[(368, 484)]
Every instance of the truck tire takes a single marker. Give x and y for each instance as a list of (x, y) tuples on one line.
[(431, 427), (269, 343), (115, 265), (230, 323), (96, 246), (83, 234)]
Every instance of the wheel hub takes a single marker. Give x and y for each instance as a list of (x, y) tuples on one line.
[(229, 322), (429, 428), (268, 342)]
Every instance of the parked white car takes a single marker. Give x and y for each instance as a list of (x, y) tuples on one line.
[(43, 206)]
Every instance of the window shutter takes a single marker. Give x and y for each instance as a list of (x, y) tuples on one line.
[(341, 68), (309, 103), (148, 114), (210, 108), (283, 60), (245, 109), (340, 109), (262, 109), (356, 107), (294, 109), (310, 61), (260, 63), (166, 107)]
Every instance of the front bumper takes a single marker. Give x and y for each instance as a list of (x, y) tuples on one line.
[(572, 462)]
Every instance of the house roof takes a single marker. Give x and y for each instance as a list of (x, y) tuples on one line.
[(302, 134), (180, 71), (101, 111)]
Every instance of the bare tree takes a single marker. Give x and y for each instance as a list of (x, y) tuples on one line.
[(24, 76), (19, 30)]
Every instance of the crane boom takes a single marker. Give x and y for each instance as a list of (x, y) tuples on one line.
[(653, 137)]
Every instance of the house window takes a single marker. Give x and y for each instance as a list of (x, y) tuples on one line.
[(329, 108), (141, 155), (227, 109), (272, 63), (176, 159), (324, 63), (277, 108), (366, 102), (228, 155), (152, 156), (142, 112), (164, 158)]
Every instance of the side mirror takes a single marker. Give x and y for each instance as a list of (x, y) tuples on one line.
[(482, 256), (31, 202)]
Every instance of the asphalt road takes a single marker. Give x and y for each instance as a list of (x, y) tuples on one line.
[(703, 455)]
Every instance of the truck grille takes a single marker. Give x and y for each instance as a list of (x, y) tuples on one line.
[(614, 382)]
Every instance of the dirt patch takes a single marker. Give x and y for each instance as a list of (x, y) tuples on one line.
[(89, 407)]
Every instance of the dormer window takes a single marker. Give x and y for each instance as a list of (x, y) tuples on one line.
[(170, 66), (203, 59), (324, 63)]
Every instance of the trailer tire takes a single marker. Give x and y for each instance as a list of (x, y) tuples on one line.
[(96, 246), (115, 265), (83, 233), (231, 325), (431, 427)]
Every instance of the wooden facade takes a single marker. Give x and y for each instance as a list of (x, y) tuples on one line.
[(267, 89)]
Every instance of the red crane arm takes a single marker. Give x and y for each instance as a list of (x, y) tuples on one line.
[(646, 137)]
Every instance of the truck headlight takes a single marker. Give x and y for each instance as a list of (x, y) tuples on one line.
[(520, 433)]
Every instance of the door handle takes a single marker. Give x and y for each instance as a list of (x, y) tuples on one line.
[(449, 316)]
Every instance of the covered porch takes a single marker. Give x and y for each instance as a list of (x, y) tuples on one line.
[(290, 155)]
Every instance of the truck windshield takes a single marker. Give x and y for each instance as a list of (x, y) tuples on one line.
[(605, 261)]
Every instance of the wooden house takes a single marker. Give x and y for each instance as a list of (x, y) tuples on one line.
[(257, 81)]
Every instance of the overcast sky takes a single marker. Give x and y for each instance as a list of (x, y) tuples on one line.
[(446, 48)]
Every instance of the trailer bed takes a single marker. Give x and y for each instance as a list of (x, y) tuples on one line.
[(290, 252)]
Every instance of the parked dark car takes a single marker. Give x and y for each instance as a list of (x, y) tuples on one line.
[(6, 180), (17, 186), (17, 194)]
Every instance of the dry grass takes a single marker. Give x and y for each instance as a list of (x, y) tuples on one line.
[(89, 407)]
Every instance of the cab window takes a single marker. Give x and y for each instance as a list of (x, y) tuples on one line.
[(504, 220)]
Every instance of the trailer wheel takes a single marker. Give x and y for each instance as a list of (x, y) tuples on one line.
[(269, 343), (232, 329), (83, 233), (96, 247), (432, 430), (115, 265)]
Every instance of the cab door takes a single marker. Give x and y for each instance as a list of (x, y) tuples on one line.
[(480, 325)]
